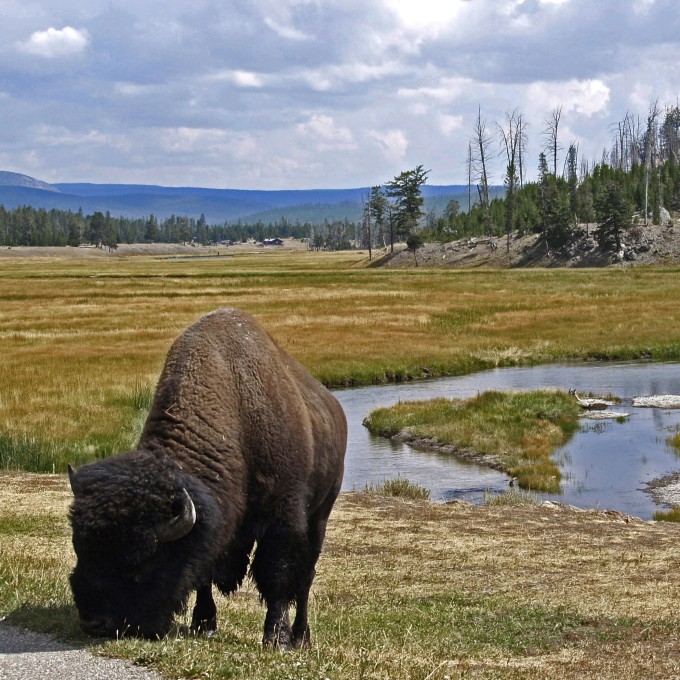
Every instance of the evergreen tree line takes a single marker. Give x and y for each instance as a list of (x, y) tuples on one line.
[(639, 174), (604, 200), (27, 226)]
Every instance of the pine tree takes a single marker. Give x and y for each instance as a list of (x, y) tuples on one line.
[(405, 189), (614, 216)]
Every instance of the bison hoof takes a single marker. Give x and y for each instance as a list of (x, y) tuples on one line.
[(280, 640), (206, 628), (302, 640)]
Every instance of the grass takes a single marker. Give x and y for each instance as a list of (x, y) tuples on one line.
[(674, 441), (511, 498), (672, 515), (405, 589), (514, 431), (399, 488), (81, 338)]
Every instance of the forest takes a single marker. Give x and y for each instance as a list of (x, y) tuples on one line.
[(638, 176)]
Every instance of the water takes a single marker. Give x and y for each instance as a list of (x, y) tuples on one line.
[(605, 465)]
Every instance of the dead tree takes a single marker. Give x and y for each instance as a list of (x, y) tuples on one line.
[(650, 149), (480, 159), (510, 135), (551, 138)]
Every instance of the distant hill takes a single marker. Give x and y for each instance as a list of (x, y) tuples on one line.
[(218, 205), (14, 179)]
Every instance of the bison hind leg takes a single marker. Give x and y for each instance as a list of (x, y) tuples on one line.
[(283, 569), (204, 617)]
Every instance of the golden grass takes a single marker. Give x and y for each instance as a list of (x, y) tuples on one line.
[(78, 335)]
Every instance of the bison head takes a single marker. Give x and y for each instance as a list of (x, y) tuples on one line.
[(136, 532)]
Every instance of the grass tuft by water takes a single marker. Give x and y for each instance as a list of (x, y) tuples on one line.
[(512, 497), (399, 488), (672, 515)]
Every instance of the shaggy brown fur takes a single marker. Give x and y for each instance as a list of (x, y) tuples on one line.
[(258, 445)]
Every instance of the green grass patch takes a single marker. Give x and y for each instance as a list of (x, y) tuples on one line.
[(399, 488), (517, 431), (672, 515), (42, 452), (674, 441)]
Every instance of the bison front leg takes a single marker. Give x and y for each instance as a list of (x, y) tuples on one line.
[(277, 633), (204, 617)]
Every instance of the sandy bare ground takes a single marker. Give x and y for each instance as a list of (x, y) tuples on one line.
[(655, 244), (148, 249)]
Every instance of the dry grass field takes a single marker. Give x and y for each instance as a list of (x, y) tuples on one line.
[(83, 339), (405, 589)]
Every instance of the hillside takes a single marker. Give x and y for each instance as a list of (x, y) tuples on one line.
[(654, 244), (218, 205)]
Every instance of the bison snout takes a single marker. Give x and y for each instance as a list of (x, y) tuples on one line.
[(99, 626)]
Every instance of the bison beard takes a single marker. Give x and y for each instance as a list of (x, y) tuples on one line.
[(241, 448)]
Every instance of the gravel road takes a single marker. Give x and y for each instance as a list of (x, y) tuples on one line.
[(25, 655)]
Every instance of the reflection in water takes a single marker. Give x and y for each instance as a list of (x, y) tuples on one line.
[(605, 464)]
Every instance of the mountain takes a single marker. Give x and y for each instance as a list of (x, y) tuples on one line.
[(218, 205), (14, 179)]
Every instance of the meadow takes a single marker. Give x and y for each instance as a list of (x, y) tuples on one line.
[(405, 588), (83, 341)]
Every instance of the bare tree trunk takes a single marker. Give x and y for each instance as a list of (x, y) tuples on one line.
[(367, 226), (650, 145), (511, 139), (469, 166), (550, 134), (482, 141)]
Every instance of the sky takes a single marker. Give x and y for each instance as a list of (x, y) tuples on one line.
[(303, 94)]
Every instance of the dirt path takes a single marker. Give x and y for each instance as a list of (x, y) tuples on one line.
[(25, 655)]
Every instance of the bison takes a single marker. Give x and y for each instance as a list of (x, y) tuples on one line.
[(241, 448)]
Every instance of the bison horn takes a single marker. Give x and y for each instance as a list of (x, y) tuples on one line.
[(181, 524)]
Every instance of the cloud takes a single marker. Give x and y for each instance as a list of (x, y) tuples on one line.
[(323, 130), (586, 97), (54, 43), (392, 143), (288, 32), (239, 78), (450, 124), (300, 93)]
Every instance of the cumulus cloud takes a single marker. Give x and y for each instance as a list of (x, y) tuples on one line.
[(323, 130), (586, 97), (54, 42), (239, 78), (392, 143), (450, 124)]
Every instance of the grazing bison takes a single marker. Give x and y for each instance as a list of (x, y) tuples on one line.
[(241, 447)]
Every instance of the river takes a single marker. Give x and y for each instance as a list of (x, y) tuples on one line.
[(604, 465)]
